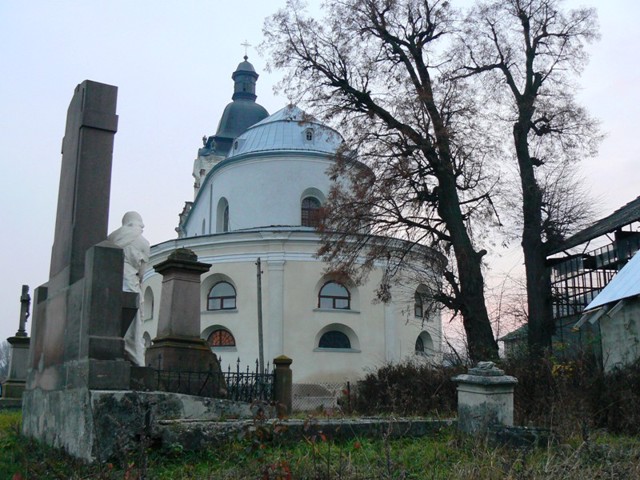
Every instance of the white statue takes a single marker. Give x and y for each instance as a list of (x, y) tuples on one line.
[(136, 256)]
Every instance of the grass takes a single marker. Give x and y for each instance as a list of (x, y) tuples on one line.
[(443, 456)]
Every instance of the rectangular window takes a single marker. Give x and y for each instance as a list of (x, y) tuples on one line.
[(342, 303), (326, 302)]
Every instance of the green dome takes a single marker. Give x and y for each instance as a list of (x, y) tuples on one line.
[(238, 116), (241, 113)]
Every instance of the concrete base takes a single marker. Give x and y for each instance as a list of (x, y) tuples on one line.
[(98, 425), (176, 353), (13, 389), (198, 435), (186, 354), (10, 403), (15, 383), (485, 399)]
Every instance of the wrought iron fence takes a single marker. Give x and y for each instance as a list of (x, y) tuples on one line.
[(247, 386), (240, 384)]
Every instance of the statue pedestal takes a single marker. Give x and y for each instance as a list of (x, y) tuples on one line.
[(178, 348), (181, 354), (485, 399), (14, 386)]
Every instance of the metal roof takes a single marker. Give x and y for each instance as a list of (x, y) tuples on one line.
[(625, 215), (287, 130), (625, 284)]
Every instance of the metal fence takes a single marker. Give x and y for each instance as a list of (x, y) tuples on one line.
[(241, 385), (247, 386)]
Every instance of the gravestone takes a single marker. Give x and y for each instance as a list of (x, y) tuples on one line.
[(13, 386), (485, 399), (178, 346), (78, 319)]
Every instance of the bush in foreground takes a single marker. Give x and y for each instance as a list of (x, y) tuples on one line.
[(571, 396)]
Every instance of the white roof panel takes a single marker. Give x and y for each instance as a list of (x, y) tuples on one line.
[(625, 284)]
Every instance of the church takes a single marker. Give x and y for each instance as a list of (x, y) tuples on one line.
[(260, 182)]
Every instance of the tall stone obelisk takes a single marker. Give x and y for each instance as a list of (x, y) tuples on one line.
[(77, 326)]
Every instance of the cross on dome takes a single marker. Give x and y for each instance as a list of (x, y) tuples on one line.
[(246, 45)]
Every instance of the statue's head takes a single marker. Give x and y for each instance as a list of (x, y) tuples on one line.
[(131, 219)]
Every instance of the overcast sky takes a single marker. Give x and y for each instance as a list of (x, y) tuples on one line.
[(172, 64)]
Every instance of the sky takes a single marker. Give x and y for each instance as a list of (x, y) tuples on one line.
[(172, 63)]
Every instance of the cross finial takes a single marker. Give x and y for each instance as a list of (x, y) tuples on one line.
[(246, 45)]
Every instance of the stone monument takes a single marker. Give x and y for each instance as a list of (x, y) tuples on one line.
[(78, 393), (13, 387), (178, 346), (79, 314), (485, 398)]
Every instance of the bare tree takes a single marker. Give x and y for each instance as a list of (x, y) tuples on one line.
[(378, 70), (528, 53)]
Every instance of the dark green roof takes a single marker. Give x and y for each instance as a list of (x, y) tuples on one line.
[(238, 116)]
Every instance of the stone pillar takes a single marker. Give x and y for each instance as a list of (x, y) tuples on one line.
[(390, 333), (178, 346), (85, 179), (276, 307), (283, 385), (485, 398)]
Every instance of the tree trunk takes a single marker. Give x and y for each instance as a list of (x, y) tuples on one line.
[(540, 319), (480, 340)]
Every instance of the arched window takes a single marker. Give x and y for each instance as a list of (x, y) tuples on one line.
[(221, 338), (418, 306), (424, 344), (147, 305), (146, 339), (310, 212), (222, 296), (225, 219), (334, 295), (423, 303), (334, 339), (308, 134), (222, 216)]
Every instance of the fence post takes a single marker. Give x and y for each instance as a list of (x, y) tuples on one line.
[(282, 384)]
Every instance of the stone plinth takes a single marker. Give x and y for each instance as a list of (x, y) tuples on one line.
[(178, 346), (18, 362), (485, 398)]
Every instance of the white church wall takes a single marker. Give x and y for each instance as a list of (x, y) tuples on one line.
[(292, 320), (261, 191)]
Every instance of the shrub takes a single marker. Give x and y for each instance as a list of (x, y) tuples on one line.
[(571, 396), (408, 388)]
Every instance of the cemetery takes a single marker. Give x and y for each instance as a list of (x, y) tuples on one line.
[(244, 348), (82, 391)]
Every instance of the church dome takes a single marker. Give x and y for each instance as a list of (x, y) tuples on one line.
[(289, 129), (238, 116), (242, 112), (245, 66)]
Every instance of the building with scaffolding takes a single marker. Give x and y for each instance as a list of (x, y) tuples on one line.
[(579, 269)]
